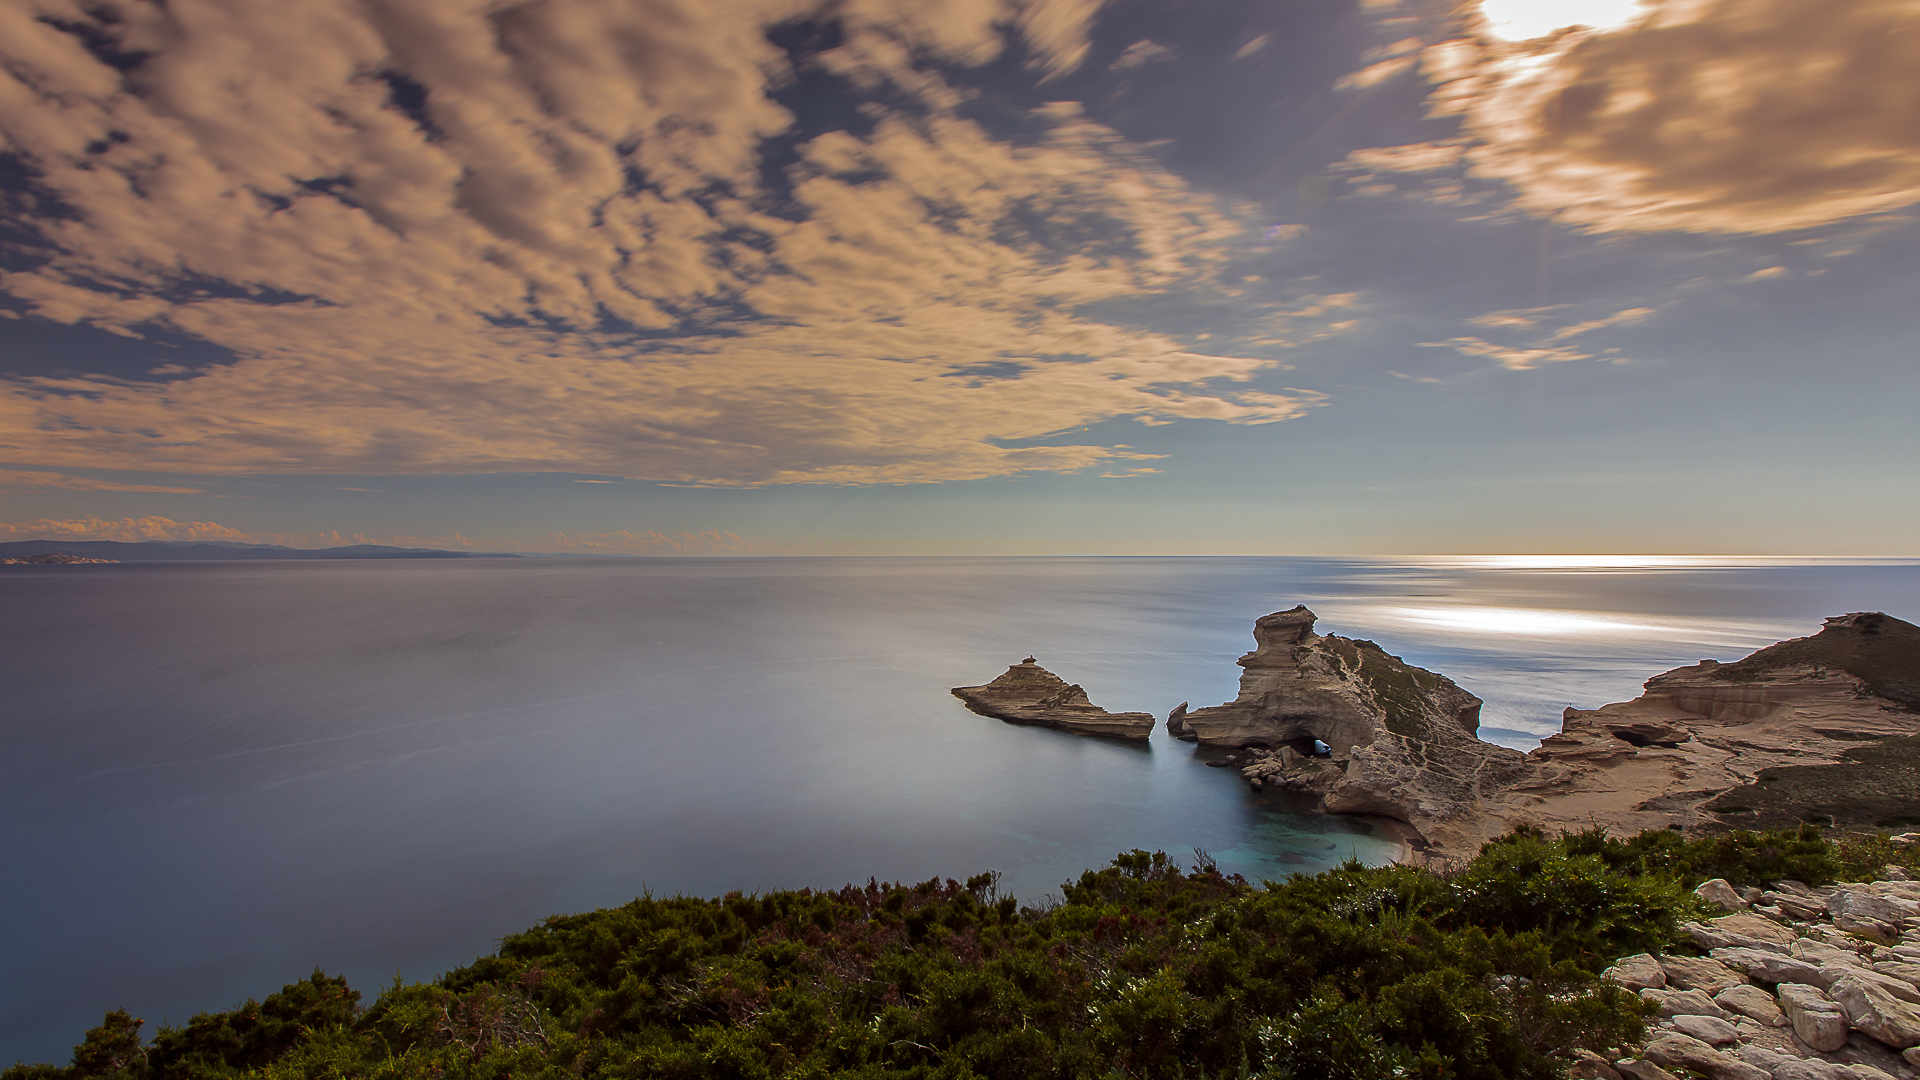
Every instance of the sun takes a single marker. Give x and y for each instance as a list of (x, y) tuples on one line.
[(1521, 20)]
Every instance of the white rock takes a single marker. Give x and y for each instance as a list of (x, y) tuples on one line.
[(1752, 1002), (1912, 1053), (1707, 1029), (1636, 972), (1769, 967), (1885, 933), (1898, 987), (1686, 1003), (1895, 872), (1816, 1019), (1874, 1011), (1721, 894), (1669, 1051), (1643, 1070), (1700, 973), (1870, 904)]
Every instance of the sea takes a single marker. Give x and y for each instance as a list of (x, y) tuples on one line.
[(217, 777)]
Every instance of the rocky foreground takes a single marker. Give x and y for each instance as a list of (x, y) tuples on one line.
[(1824, 727), (1030, 694), (1800, 983)]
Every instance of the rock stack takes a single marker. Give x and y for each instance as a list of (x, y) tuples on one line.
[(1030, 694), (1799, 983)]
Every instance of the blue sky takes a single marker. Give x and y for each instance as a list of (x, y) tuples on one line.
[(975, 276)]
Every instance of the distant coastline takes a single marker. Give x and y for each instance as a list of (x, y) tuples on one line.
[(209, 551)]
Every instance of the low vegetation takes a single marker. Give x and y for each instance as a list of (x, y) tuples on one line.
[(1141, 969)]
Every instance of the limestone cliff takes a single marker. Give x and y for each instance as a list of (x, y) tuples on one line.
[(1400, 740), (1030, 694), (1807, 729)]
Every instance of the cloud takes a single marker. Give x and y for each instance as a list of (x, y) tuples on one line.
[(21, 478), (128, 530), (1711, 116), (1140, 53), (1766, 272), (1626, 316), (138, 530), (1509, 357), (441, 237)]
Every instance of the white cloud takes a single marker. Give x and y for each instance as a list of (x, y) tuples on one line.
[(1510, 357), (562, 257), (1714, 116)]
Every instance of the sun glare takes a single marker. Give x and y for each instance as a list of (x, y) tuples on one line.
[(1489, 620), (1522, 20)]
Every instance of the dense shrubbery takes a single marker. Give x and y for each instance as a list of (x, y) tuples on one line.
[(1141, 969)]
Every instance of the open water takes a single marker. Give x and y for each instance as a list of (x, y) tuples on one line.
[(215, 777)]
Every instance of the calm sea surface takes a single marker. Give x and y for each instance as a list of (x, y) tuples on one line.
[(216, 777)]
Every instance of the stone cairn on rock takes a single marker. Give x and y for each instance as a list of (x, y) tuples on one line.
[(1799, 983)]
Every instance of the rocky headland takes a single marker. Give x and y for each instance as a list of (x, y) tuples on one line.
[(1819, 728), (1400, 741), (1030, 694)]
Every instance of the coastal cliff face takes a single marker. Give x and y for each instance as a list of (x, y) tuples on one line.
[(1030, 694), (1400, 739), (1808, 729)]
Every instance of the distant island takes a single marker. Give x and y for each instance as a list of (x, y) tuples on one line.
[(54, 559), (98, 551)]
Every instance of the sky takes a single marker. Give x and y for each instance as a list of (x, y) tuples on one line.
[(901, 277)]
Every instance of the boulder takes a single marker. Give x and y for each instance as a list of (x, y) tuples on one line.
[(1685, 1003), (1699, 973), (1643, 1070), (1875, 1012), (1798, 906), (1030, 694), (1707, 1029), (1709, 936), (1816, 1019), (1721, 894), (1869, 903), (1753, 1002), (1637, 972), (1898, 969), (1682, 1051), (1771, 967), (1588, 1065), (1753, 927)]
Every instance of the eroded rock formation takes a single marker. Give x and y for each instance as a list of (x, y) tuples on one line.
[(1795, 731), (1030, 694), (1812, 728), (1399, 740)]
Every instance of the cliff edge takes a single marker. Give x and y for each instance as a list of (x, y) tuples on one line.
[(1813, 729), (1030, 694)]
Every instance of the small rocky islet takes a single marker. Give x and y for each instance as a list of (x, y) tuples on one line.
[(1030, 694)]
